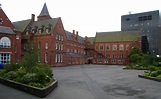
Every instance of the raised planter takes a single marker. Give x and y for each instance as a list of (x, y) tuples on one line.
[(40, 92), (151, 78), (133, 69)]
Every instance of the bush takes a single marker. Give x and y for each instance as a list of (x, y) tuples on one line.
[(21, 71), (146, 74), (158, 72), (29, 77), (2, 72), (11, 67), (10, 75), (151, 68), (154, 74), (159, 76)]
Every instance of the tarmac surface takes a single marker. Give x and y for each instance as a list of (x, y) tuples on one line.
[(94, 82)]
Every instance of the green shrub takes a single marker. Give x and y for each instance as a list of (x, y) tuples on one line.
[(146, 74), (29, 77), (151, 68), (158, 72), (21, 71), (159, 76), (11, 67), (10, 75), (154, 74), (2, 72)]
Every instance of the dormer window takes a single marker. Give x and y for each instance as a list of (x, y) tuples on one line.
[(48, 30), (27, 32), (40, 31)]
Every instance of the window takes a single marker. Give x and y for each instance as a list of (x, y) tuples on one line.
[(114, 47), (56, 58), (17, 37), (127, 46), (62, 38), (46, 45), (38, 57), (61, 46), (59, 37), (101, 47), (56, 36), (5, 42), (108, 47), (46, 57), (128, 19), (61, 58), (39, 45), (47, 30), (121, 47), (96, 47), (5, 58), (40, 31), (68, 50)]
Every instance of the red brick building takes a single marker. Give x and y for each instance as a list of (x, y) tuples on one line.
[(59, 47), (112, 47), (10, 41)]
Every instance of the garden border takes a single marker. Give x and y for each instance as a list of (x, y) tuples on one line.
[(40, 92), (151, 78)]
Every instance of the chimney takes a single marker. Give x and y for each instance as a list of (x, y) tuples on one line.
[(73, 35), (86, 39), (33, 17), (76, 35)]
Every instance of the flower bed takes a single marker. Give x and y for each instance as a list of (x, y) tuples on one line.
[(40, 92)]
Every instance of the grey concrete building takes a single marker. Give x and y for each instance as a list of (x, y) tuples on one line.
[(149, 24)]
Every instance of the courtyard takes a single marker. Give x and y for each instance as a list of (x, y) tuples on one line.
[(94, 82)]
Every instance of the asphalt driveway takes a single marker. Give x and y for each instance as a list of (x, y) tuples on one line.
[(94, 82)]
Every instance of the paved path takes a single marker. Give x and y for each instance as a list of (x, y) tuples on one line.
[(94, 82)]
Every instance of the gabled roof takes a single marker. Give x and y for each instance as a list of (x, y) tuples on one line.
[(45, 23), (117, 36), (44, 11), (91, 40), (69, 37), (21, 25), (6, 30)]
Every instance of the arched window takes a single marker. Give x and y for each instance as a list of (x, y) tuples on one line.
[(121, 47), (5, 42), (127, 46)]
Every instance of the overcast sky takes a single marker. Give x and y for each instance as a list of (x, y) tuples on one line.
[(85, 16)]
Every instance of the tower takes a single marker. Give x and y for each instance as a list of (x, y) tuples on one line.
[(44, 13)]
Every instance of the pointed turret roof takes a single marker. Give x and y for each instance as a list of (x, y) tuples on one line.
[(44, 11)]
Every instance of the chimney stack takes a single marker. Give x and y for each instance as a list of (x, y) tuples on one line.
[(33, 17), (76, 35)]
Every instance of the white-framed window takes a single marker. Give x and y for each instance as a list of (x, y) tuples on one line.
[(40, 31), (68, 50), (56, 46), (127, 46), (101, 47), (39, 45), (46, 45), (59, 37), (62, 38), (121, 47), (5, 58), (61, 58), (56, 36), (47, 30), (27, 32), (108, 47), (56, 58), (38, 57), (61, 46), (46, 57), (5, 42), (114, 47), (17, 37)]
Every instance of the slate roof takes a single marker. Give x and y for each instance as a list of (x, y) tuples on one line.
[(69, 37), (45, 24), (91, 40), (6, 30), (117, 36), (21, 25), (44, 11)]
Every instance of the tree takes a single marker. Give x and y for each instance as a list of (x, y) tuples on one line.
[(135, 58)]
